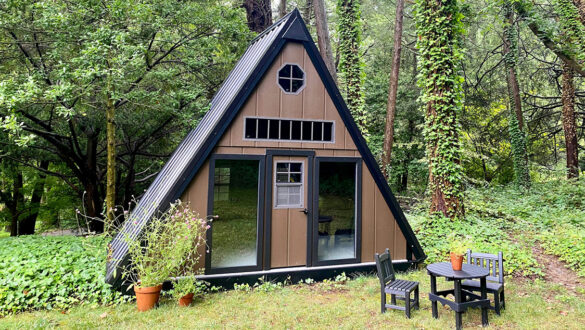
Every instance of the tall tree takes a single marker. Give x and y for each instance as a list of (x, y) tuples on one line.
[(323, 36), (259, 13), (571, 11), (516, 128), (350, 65), (154, 63), (439, 30), (282, 8), (393, 89)]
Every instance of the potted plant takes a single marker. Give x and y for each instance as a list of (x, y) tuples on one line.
[(457, 247), (186, 288), (165, 244)]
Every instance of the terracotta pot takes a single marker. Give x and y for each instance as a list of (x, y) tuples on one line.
[(147, 297), (186, 300), (456, 261)]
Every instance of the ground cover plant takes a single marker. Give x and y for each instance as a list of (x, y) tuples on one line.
[(53, 273), (344, 303)]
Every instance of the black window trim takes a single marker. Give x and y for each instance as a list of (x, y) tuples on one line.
[(290, 78), (290, 128)]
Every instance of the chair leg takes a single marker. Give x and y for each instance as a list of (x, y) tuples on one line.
[(497, 303), (407, 302), (393, 299), (416, 299), (503, 299), (383, 300)]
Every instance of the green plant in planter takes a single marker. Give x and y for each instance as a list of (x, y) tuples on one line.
[(187, 285), (167, 242), (458, 245)]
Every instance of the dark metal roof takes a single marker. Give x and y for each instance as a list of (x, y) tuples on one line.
[(195, 148)]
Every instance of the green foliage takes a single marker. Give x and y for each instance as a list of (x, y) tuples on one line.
[(439, 30), (187, 285), (169, 245), (53, 273), (458, 244), (567, 242), (519, 152), (350, 63)]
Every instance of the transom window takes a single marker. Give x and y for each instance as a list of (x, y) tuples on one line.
[(291, 78), (288, 185), (288, 130)]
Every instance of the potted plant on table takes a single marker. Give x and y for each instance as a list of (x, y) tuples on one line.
[(165, 244), (457, 247)]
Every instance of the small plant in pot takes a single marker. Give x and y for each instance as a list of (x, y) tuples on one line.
[(457, 247), (186, 288), (163, 248)]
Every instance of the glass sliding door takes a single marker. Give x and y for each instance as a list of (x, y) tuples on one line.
[(338, 198), (234, 243)]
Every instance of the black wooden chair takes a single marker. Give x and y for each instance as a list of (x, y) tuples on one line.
[(397, 289), (495, 285)]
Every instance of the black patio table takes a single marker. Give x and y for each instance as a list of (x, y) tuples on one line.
[(463, 298)]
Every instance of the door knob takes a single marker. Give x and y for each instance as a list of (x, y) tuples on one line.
[(305, 211)]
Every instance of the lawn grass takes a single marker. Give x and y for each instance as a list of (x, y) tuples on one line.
[(352, 304)]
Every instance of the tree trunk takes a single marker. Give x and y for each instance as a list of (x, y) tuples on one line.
[(350, 66), (259, 14), (307, 11), (282, 8), (111, 163), (516, 122), (323, 36), (16, 203), (438, 29), (569, 126), (28, 223), (92, 199), (392, 90)]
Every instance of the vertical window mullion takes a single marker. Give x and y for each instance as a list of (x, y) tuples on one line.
[(257, 122), (279, 129)]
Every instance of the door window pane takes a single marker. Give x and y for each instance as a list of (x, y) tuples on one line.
[(288, 185), (235, 201), (337, 211)]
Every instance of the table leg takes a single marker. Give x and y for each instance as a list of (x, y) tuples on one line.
[(484, 309), (434, 291), (457, 293)]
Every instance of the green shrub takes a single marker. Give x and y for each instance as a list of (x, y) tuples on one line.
[(53, 273)]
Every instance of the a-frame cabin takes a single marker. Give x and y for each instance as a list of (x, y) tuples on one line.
[(280, 162)]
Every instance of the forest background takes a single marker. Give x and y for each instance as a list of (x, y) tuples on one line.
[(95, 96)]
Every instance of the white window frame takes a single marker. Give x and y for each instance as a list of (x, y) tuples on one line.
[(290, 79), (275, 185)]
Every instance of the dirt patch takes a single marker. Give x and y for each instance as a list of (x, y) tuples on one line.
[(556, 271)]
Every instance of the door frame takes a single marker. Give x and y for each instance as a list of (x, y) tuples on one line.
[(259, 217), (358, 211), (270, 153)]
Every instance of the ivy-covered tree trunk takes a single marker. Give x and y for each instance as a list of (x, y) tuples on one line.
[(350, 65), (259, 14), (569, 126), (516, 122), (392, 90), (439, 29), (323, 36), (111, 162)]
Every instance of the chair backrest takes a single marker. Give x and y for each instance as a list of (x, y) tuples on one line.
[(384, 266), (494, 263)]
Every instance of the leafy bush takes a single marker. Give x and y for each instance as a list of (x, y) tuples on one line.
[(53, 273), (169, 245)]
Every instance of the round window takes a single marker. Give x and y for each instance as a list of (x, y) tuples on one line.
[(291, 78)]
